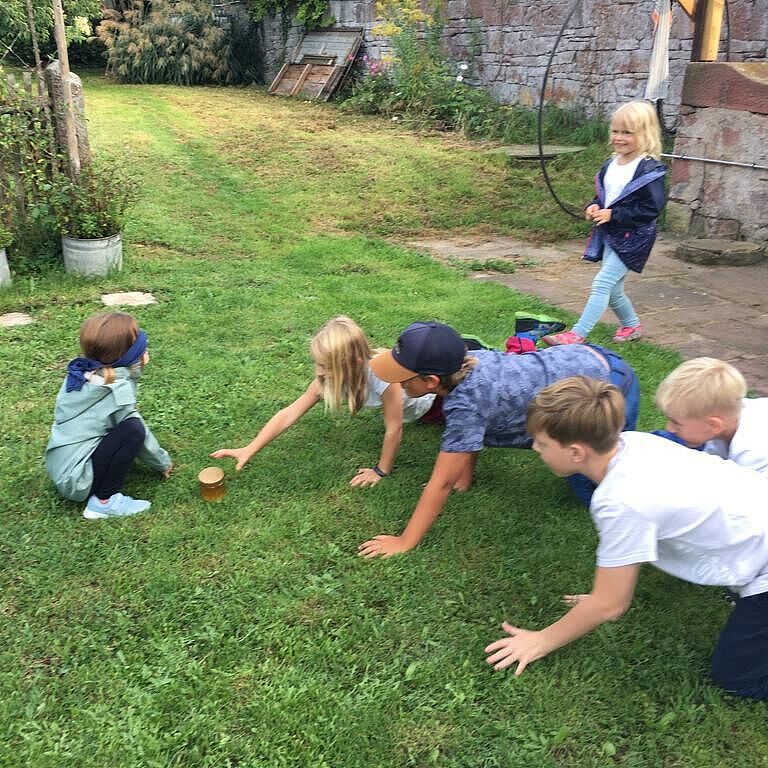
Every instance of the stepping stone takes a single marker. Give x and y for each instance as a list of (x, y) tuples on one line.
[(723, 253), (531, 151), (14, 318), (127, 299)]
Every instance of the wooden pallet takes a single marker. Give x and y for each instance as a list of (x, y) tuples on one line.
[(319, 64)]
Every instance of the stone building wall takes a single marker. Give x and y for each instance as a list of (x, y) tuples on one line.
[(277, 35), (602, 59), (729, 123)]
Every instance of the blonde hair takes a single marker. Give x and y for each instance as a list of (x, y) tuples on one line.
[(342, 348), (640, 118), (106, 337), (579, 410), (701, 387)]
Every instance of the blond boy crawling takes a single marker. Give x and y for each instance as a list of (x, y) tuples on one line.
[(705, 403), (688, 513)]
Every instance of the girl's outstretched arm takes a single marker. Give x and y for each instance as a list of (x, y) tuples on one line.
[(275, 427), (392, 408)]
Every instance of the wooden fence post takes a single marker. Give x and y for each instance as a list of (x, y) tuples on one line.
[(69, 109)]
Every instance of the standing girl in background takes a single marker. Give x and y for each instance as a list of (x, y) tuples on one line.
[(97, 432), (630, 197), (341, 353)]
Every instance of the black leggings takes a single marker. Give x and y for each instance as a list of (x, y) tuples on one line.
[(113, 457)]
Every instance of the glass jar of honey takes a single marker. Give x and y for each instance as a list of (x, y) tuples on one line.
[(211, 481)]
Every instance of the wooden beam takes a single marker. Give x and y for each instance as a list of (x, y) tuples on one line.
[(706, 35), (300, 82), (689, 6), (69, 106), (276, 81)]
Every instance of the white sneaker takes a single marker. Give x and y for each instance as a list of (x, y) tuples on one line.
[(116, 505)]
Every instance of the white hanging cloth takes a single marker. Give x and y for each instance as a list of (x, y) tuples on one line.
[(658, 70)]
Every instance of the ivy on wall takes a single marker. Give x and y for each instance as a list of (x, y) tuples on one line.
[(310, 13)]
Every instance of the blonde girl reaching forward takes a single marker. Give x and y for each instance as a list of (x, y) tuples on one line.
[(630, 197), (341, 352)]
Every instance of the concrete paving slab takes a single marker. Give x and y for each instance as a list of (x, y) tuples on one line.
[(11, 319), (127, 299)]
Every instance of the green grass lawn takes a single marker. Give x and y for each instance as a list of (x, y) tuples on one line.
[(247, 632)]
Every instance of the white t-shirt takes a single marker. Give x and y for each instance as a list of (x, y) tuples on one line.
[(413, 407), (749, 446), (686, 512), (617, 177)]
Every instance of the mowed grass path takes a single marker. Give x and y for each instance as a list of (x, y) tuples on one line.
[(247, 633)]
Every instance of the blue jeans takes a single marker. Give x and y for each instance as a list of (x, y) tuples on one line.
[(624, 379), (740, 660), (607, 290)]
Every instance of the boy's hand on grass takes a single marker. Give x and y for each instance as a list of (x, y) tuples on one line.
[(365, 476), (240, 454), (522, 646), (383, 546), (167, 472)]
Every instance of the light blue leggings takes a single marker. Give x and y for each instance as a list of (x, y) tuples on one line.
[(607, 290)]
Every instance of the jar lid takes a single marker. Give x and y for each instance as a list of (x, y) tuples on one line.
[(211, 475)]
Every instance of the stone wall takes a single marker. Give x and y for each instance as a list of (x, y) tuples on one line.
[(602, 59), (277, 35), (730, 123)]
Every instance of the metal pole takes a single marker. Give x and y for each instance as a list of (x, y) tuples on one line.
[(754, 166), (69, 107)]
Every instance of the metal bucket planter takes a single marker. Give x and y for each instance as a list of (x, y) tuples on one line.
[(92, 257), (5, 272)]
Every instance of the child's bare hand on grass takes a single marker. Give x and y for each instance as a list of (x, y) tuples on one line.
[(240, 454), (523, 646), (365, 476), (383, 546)]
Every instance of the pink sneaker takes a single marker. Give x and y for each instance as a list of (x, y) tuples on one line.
[(628, 333), (566, 337)]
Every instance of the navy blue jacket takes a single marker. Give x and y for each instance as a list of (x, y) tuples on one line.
[(631, 232)]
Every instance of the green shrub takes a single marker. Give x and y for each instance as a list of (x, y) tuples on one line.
[(422, 86), (173, 42), (6, 238), (28, 162), (96, 204)]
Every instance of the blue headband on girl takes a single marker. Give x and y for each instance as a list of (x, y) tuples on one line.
[(78, 367)]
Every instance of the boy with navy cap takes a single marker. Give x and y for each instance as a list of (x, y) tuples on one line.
[(486, 397)]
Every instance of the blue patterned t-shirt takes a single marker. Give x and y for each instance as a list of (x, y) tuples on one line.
[(491, 405)]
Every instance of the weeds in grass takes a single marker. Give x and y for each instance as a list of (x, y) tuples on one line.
[(493, 265)]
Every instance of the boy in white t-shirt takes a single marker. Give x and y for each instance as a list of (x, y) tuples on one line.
[(706, 407), (686, 512)]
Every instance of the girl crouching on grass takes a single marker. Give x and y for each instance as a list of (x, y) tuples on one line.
[(97, 431), (341, 353)]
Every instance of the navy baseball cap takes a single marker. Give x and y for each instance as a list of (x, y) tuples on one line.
[(422, 349)]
